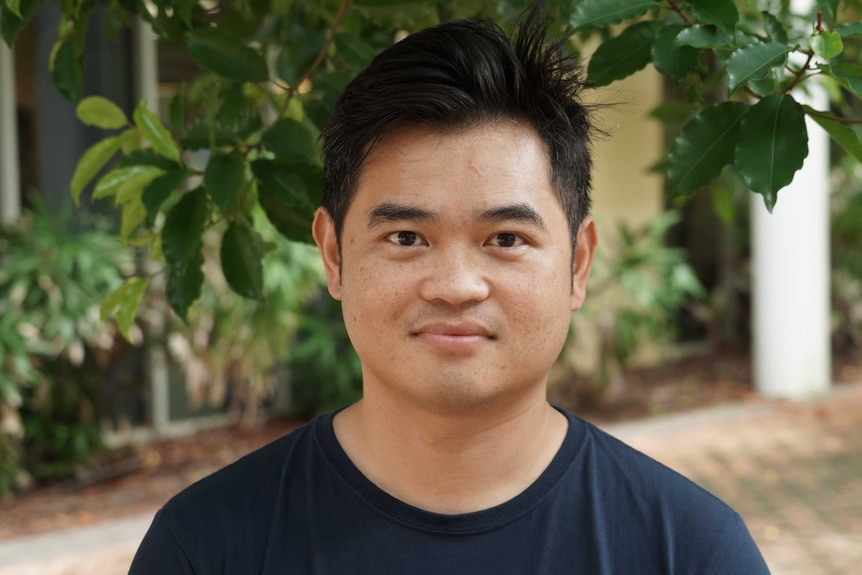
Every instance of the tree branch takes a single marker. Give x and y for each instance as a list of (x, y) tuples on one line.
[(838, 119), (291, 91), (676, 8)]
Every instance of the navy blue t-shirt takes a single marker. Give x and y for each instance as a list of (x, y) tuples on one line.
[(299, 505)]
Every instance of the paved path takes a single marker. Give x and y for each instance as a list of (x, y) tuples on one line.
[(794, 472)]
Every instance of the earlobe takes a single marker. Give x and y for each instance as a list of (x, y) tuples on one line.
[(582, 263), (323, 230)]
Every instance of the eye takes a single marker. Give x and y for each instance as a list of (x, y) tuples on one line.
[(404, 238), (506, 240)]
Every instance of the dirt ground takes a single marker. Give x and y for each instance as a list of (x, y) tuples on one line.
[(153, 472)]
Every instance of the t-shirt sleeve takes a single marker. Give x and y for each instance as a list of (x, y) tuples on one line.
[(160, 552), (740, 554)]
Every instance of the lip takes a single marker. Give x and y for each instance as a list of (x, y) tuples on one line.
[(454, 330)]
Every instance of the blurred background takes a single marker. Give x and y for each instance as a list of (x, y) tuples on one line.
[(102, 420)]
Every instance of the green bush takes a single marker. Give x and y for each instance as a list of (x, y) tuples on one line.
[(52, 282)]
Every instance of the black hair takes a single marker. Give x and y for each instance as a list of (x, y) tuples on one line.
[(458, 75)]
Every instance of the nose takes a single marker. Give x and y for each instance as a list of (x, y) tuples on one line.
[(454, 276)]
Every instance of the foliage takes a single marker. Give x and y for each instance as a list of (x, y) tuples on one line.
[(242, 345), (651, 282), (52, 282), (273, 69), (847, 255)]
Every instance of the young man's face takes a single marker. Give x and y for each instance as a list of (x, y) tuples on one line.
[(457, 279)]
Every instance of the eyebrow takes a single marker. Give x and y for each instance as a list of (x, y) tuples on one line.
[(514, 212), (391, 212)]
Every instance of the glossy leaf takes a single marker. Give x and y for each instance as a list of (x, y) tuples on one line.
[(153, 130), (134, 213), (226, 55), (721, 13), (14, 7), (93, 160), (11, 25), (599, 13), (669, 58), (849, 29), (101, 113), (623, 55), (704, 37), (354, 50), (157, 191), (184, 285), (241, 262), (754, 63), (845, 136), (133, 187), (183, 230), (848, 75), (67, 70), (224, 179), (703, 147), (110, 184), (123, 303), (290, 140), (827, 44), (775, 29), (283, 197), (772, 145)]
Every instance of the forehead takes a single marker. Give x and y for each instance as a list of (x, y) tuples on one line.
[(483, 164)]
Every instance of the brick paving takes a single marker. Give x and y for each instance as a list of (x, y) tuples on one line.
[(792, 470)]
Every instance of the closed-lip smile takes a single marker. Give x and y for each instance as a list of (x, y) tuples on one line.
[(454, 329)]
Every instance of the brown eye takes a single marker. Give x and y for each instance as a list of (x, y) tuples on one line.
[(506, 240), (405, 238)]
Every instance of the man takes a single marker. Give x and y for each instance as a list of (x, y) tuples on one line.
[(454, 231)]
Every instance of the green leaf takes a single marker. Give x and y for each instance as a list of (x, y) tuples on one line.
[(290, 140), (153, 130), (133, 214), (111, 182), (184, 229), (829, 8), (703, 147), (844, 136), (722, 13), (93, 160), (241, 262), (14, 7), (67, 70), (226, 55), (124, 302), (773, 27), (599, 13), (101, 113), (184, 285), (11, 25), (284, 199), (132, 188), (623, 55), (354, 50), (827, 44), (849, 29), (848, 75), (157, 191), (704, 37), (224, 179), (754, 63), (177, 109), (383, 3), (772, 145), (669, 58)]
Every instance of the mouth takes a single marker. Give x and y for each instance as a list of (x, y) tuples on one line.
[(454, 330)]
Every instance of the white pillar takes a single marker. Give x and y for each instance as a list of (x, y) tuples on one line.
[(790, 272), (10, 168)]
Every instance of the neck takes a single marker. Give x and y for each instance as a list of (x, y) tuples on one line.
[(451, 463)]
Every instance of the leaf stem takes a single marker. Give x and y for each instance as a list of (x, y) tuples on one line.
[(291, 91), (839, 119), (800, 73), (676, 8)]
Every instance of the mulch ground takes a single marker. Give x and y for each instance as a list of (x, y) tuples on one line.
[(157, 470)]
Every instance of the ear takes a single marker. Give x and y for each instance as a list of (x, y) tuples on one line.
[(582, 263), (323, 230)]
